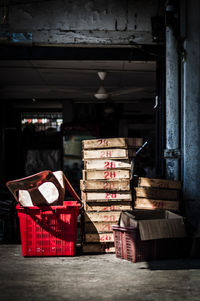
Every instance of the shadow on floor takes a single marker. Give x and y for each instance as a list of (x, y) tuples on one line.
[(175, 264)]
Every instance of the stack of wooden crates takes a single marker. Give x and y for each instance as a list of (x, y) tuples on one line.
[(157, 194), (105, 188)]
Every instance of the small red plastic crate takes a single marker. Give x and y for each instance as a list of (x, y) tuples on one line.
[(129, 246), (49, 230)]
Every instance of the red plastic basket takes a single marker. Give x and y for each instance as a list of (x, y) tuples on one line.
[(129, 246), (49, 230)]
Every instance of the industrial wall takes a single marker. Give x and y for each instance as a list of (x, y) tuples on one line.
[(80, 22)]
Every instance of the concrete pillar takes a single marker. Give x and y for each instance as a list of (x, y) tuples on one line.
[(191, 113), (172, 103)]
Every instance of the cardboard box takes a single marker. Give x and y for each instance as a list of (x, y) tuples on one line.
[(144, 235), (154, 224)]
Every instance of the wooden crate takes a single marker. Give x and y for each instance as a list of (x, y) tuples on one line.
[(109, 153), (99, 237), (158, 183), (97, 248), (112, 142), (102, 216), (98, 227), (157, 194), (106, 164), (105, 196), (106, 174), (104, 185), (110, 206), (143, 203)]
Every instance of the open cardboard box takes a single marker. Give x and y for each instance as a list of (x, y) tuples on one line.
[(153, 224)]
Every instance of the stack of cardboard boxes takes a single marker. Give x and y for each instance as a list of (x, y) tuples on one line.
[(105, 188)]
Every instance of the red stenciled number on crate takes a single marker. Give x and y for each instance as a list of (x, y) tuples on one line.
[(163, 185), (109, 208), (106, 228), (108, 153), (111, 196), (109, 218), (109, 165), (105, 237), (105, 154), (102, 141), (109, 186), (158, 205), (109, 174)]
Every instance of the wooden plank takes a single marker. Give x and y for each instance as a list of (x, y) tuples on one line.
[(106, 196), (99, 237), (99, 227), (106, 164), (106, 175), (103, 201), (107, 207), (142, 203), (158, 183), (158, 194), (109, 153), (102, 216), (104, 185), (112, 142), (97, 248)]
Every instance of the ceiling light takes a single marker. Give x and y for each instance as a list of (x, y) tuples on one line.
[(102, 75), (101, 93)]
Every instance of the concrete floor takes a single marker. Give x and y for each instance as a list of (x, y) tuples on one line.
[(95, 277)]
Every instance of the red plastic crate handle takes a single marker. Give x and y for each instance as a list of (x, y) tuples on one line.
[(72, 191), (32, 183)]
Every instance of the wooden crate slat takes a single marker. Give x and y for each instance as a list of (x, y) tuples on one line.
[(109, 153), (106, 196), (106, 164), (102, 216), (112, 142), (96, 248), (142, 203), (106, 174), (104, 185), (99, 227), (107, 207), (103, 201), (158, 194), (159, 183), (99, 237)]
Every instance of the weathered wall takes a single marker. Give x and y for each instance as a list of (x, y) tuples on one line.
[(85, 21), (191, 114)]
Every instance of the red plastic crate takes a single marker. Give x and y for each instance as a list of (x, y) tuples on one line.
[(49, 230), (129, 246)]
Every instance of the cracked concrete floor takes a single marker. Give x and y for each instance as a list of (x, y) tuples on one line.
[(95, 277)]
